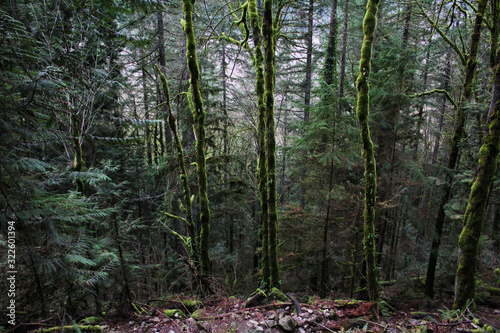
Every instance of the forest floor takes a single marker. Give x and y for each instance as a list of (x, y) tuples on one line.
[(228, 314), (399, 313)]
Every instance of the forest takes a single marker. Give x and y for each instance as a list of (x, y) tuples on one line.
[(249, 166)]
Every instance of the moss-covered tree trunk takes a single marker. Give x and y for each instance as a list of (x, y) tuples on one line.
[(362, 111), (196, 104), (329, 77), (458, 134), (258, 61), (182, 165), (269, 46), (478, 200)]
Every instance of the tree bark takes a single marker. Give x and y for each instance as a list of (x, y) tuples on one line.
[(161, 60), (77, 146), (184, 176), (269, 75), (258, 61), (196, 104), (307, 91), (329, 72), (369, 24), (343, 54)]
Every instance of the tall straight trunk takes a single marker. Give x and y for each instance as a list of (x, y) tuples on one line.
[(258, 61), (123, 262), (307, 91), (420, 115), (184, 176), (343, 54), (362, 111), (196, 104), (387, 151), (329, 72), (478, 200), (161, 60), (454, 149), (269, 75), (307, 83), (149, 156)]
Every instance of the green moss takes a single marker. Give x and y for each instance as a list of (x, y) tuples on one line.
[(174, 313), (94, 320), (198, 314), (199, 117), (192, 304), (67, 329), (362, 112), (278, 295)]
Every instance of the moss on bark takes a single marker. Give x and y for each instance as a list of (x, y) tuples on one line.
[(269, 46), (458, 134), (199, 117), (258, 61), (478, 200), (362, 111), (182, 165)]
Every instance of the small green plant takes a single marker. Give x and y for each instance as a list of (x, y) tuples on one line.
[(448, 314)]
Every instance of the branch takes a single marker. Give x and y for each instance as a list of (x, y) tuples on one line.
[(453, 45), (442, 91)]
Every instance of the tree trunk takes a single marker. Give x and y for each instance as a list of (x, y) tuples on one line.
[(454, 149), (149, 156), (307, 93), (161, 60), (184, 176), (269, 75), (196, 104), (77, 146), (369, 24), (343, 54), (389, 137), (258, 61), (329, 72), (478, 200)]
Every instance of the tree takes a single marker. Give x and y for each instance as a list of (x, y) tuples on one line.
[(469, 61), (362, 111), (270, 38), (475, 213), (196, 104)]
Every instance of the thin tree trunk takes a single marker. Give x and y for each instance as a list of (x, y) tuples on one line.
[(343, 54), (362, 111), (184, 176), (149, 156), (196, 104), (269, 76), (162, 62), (77, 146), (387, 151), (307, 92), (123, 263), (454, 149)]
